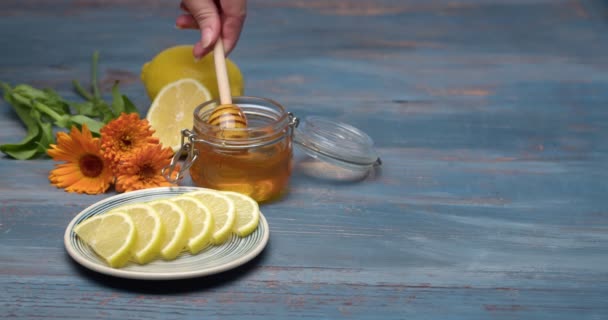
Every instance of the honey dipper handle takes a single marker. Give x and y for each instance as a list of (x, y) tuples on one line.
[(220, 69)]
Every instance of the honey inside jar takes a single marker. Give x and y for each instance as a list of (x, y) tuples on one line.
[(255, 161)]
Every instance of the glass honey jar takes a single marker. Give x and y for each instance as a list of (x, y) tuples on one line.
[(258, 160)]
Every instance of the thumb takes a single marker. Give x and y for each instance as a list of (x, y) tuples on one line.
[(205, 14)]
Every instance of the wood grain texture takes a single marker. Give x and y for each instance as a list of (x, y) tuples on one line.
[(489, 115)]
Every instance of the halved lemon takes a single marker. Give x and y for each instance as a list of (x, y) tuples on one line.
[(173, 110), (176, 62)]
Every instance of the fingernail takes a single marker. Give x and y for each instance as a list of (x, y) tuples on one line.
[(207, 37)]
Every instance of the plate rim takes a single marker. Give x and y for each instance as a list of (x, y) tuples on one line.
[(128, 274)]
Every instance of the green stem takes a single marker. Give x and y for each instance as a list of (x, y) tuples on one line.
[(47, 110), (94, 75), (21, 99), (81, 91)]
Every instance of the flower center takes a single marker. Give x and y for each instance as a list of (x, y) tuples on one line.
[(147, 172), (90, 165), (126, 142)]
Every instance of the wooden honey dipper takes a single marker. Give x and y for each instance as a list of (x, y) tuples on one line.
[(226, 115)]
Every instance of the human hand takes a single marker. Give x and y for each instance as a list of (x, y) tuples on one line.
[(212, 18)]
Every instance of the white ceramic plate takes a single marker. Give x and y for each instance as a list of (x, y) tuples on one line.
[(215, 259)]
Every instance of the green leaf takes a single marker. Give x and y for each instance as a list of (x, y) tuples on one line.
[(31, 136), (118, 104), (33, 131), (105, 111), (64, 122), (27, 147), (55, 101), (47, 96), (29, 92), (33, 146), (86, 108), (93, 125), (20, 151), (121, 103), (129, 106), (46, 138), (81, 91), (61, 119), (40, 110)]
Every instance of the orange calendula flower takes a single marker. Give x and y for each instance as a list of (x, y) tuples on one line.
[(143, 168), (85, 170), (123, 136)]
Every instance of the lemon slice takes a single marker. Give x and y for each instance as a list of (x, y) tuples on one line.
[(111, 235), (247, 213), (150, 232), (222, 209), (201, 222), (177, 228), (173, 110)]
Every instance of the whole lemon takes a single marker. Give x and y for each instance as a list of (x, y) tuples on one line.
[(177, 63)]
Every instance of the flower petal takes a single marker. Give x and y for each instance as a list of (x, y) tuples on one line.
[(72, 149)]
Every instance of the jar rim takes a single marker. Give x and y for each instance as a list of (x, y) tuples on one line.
[(200, 119), (267, 122)]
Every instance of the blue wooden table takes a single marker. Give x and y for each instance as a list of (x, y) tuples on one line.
[(490, 117)]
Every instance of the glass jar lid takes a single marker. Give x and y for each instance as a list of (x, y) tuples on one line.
[(337, 143)]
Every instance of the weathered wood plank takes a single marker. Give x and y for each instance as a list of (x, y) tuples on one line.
[(490, 118)]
